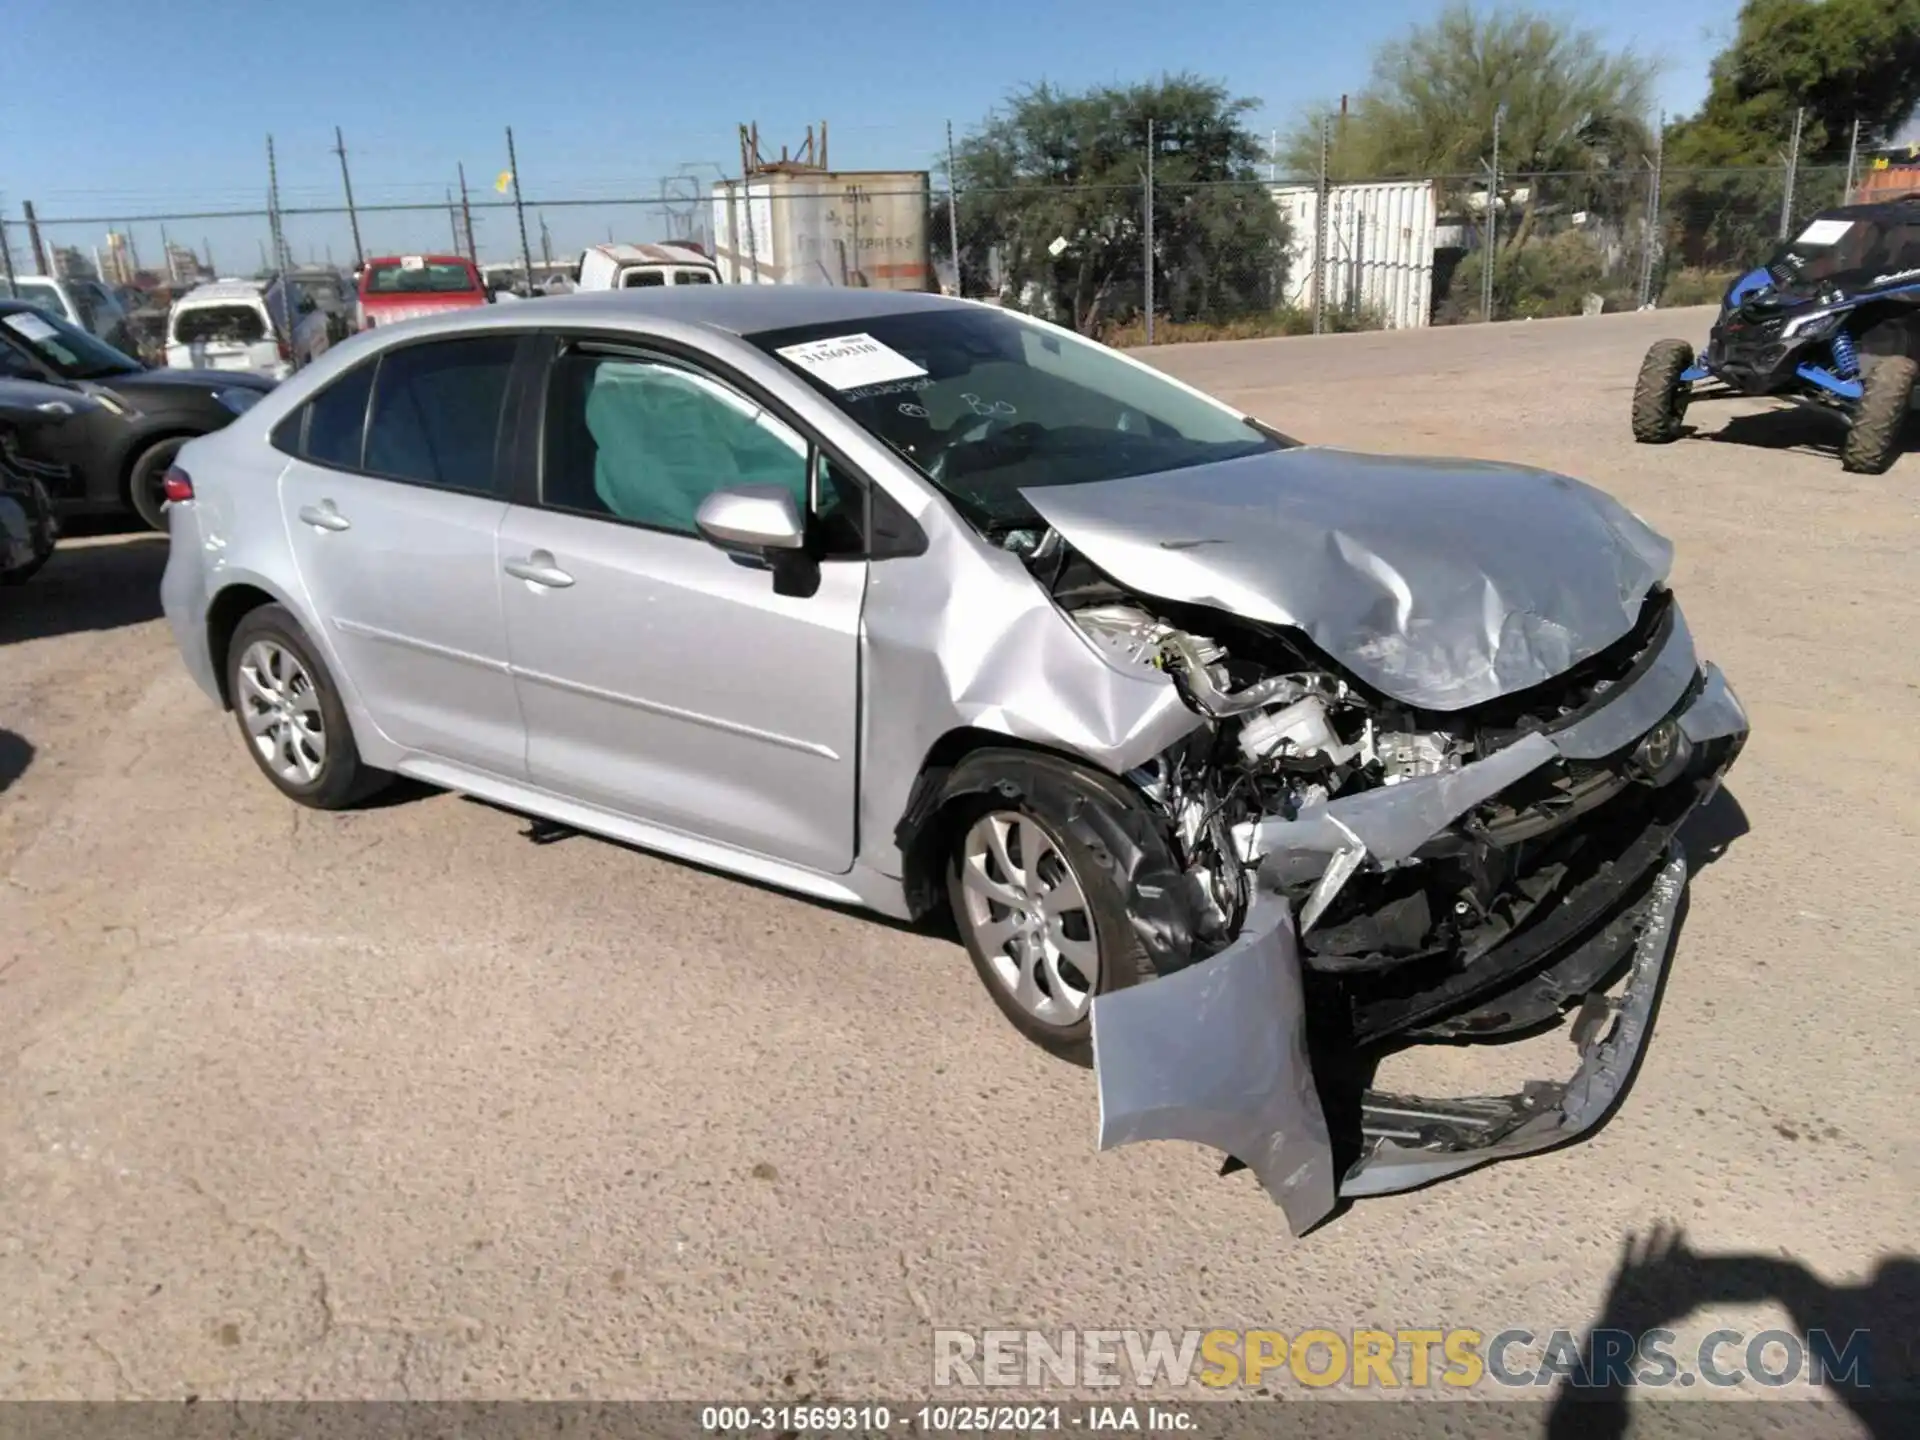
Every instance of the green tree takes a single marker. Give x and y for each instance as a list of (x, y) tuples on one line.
[(1570, 104), (1835, 60), (1052, 166)]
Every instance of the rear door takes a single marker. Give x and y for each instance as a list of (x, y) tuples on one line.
[(392, 506), (661, 679)]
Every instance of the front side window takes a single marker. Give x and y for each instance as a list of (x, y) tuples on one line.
[(435, 417), (986, 403), (646, 441)]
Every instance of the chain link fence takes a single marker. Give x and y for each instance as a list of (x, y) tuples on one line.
[(1145, 262)]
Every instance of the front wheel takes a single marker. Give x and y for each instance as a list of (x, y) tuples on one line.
[(1660, 395), (1045, 924), (1886, 392)]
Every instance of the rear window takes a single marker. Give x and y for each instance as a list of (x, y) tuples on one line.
[(634, 279), (395, 277), (693, 277), (219, 324)]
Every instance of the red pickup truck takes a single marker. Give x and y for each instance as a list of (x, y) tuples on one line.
[(399, 287)]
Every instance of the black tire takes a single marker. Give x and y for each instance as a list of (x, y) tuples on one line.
[(1660, 395), (20, 574), (1873, 437), (343, 780), (143, 481), (1123, 960)]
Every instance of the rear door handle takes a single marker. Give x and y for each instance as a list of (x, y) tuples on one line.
[(324, 517), (539, 569)]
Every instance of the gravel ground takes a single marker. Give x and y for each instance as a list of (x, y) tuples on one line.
[(399, 1103)]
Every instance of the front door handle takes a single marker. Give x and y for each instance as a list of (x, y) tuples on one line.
[(324, 517), (539, 569)]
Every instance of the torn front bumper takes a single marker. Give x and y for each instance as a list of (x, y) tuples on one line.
[(1218, 1053)]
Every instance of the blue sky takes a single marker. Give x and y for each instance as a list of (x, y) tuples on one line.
[(112, 108)]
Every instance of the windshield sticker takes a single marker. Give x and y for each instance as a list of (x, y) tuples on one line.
[(1824, 232), (413, 262), (1892, 276), (913, 412), (896, 387), (989, 407), (848, 362), (34, 327)]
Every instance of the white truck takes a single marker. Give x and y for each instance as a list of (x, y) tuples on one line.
[(628, 267)]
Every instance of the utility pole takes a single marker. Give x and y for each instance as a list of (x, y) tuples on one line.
[(207, 246), (466, 215), (6, 252), (546, 243), (1493, 221), (33, 238), (353, 216), (1651, 260), (519, 210), (453, 221), (282, 260), (1320, 228), (1793, 169), (1149, 232), (953, 212), (1853, 160)]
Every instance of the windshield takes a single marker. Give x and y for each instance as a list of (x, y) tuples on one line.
[(431, 277), (1847, 248), (985, 403), (38, 292), (65, 349)]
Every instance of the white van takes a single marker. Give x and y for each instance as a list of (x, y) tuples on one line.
[(254, 325), (627, 267)]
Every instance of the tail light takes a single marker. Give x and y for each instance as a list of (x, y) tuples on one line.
[(286, 349), (177, 485)]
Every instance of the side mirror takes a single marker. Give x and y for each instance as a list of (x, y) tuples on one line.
[(752, 519)]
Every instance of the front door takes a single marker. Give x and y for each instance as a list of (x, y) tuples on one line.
[(395, 534), (660, 678)]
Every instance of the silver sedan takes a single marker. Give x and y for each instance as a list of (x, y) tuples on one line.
[(1232, 759)]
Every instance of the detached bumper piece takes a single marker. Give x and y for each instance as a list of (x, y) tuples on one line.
[(1410, 1141)]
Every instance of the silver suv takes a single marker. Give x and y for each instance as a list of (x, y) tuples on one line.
[(1232, 759)]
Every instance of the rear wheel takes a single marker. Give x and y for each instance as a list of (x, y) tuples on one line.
[(290, 714), (1886, 392), (145, 487), (1660, 395)]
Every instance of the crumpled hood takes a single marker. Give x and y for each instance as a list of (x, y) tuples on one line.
[(1440, 583)]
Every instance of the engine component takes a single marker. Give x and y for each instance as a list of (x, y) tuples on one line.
[(1408, 755), (1301, 729)]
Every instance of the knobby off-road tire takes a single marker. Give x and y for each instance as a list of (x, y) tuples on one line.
[(1873, 439), (1660, 395)]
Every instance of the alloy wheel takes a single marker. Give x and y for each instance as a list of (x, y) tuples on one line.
[(1029, 916), (280, 706)]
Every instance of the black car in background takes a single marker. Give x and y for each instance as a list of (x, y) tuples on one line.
[(117, 451)]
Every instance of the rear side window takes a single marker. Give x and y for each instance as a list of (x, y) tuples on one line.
[(635, 279), (692, 277), (435, 418), (336, 419)]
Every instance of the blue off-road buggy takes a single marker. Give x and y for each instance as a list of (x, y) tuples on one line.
[(1833, 320)]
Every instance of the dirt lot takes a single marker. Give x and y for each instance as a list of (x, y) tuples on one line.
[(399, 1102)]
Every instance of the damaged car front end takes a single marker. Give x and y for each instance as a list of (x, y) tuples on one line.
[(1310, 754), (1453, 721)]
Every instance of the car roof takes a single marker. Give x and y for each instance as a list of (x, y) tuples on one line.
[(428, 256), (226, 290), (667, 254), (739, 309)]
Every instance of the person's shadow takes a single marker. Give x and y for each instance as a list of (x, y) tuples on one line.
[(1660, 1281)]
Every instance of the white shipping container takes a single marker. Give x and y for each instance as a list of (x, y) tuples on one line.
[(866, 229), (1380, 243)]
